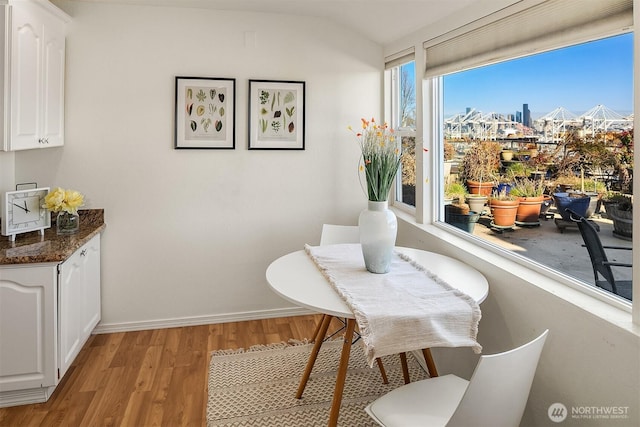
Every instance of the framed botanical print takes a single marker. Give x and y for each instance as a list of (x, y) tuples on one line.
[(276, 115), (205, 112)]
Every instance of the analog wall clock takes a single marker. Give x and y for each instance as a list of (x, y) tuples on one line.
[(22, 212)]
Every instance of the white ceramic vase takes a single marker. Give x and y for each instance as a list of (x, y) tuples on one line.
[(378, 229)]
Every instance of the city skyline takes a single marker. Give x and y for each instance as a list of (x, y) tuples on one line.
[(576, 78)]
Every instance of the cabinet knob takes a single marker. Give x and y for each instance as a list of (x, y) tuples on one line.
[(43, 140), (83, 252)]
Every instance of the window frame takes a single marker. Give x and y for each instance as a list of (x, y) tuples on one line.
[(393, 92)]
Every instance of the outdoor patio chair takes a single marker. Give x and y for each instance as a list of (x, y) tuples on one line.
[(496, 394), (602, 271)]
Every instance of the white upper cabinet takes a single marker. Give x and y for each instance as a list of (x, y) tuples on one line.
[(34, 40)]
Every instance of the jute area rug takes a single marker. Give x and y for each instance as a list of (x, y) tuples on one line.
[(257, 387)]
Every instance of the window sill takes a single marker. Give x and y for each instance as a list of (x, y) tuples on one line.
[(488, 260)]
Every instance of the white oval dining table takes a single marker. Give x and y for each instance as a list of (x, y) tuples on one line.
[(296, 278)]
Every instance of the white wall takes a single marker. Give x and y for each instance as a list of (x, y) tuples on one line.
[(190, 233)]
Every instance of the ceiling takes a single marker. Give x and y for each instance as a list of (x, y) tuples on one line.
[(382, 21)]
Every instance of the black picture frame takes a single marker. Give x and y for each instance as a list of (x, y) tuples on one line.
[(276, 115), (205, 113)]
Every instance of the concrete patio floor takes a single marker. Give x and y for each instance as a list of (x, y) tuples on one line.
[(562, 251)]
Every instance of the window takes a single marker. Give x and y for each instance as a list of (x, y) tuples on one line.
[(403, 120), (561, 121), (526, 87)]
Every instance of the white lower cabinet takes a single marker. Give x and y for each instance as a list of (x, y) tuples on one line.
[(47, 313), (78, 301), (27, 333)]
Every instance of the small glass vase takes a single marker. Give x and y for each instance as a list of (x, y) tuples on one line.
[(67, 223)]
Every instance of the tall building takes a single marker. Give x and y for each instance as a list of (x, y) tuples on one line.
[(519, 116), (526, 115)]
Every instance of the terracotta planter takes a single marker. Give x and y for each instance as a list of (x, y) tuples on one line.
[(504, 212), (529, 209), (484, 188)]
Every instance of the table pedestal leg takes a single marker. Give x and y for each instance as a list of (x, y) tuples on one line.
[(431, 365), (326, 319), (342, 373)]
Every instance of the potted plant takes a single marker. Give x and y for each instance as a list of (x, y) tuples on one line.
[(480, 166), (518, 170), (506, 155), (619, 208), (477, 202), (454, 192), (459, 215), (504, 208), (530, 194), (577, 202), (579, 185)]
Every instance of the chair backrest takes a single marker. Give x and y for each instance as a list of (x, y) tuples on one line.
[(334, 234), (499, 387), (596, 251)]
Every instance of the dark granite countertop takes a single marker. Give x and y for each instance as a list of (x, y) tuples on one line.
[(29, 248)]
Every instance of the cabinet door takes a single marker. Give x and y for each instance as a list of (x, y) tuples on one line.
[(37, 59), (79, 301), (52, 130), (91, 312), (27, 327), (26, 77), (69, 311)]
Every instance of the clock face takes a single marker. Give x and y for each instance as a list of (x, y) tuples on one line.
[(23, 211), (26, 211)]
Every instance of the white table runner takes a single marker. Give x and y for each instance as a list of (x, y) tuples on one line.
[(407, 309)]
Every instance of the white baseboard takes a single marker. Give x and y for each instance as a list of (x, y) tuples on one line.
[(105, 328)]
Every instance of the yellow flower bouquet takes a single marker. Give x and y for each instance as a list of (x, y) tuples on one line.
[(66, 204), (380, 157), (60, 200)]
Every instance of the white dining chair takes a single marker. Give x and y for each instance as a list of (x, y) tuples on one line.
[(334, 234), (495, 396)]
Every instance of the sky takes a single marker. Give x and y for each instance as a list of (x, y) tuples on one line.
[(577, 78)]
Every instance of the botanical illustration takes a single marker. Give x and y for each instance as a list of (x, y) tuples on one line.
[(277, 116), (205, 109)]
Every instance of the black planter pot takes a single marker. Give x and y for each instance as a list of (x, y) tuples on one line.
[(466, 222)]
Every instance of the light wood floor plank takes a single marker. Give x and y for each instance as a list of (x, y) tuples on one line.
[(149, 378)]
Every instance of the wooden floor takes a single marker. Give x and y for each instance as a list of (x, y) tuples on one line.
[(148, 378)]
